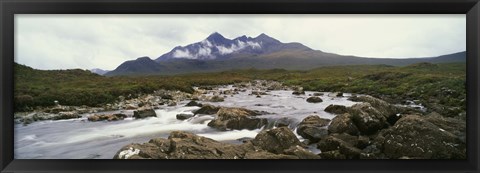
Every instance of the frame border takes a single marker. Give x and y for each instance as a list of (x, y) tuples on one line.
[(10, 7)]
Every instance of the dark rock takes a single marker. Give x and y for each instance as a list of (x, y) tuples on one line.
[(237, 118), (339, 94), (415, 137), (283, 122), (108, 117), (298, 93), (144, 113), (335, 154), (184, 116), (336, 109), (207, 109), (317, 94), (343, 124), (314, 99), (259, 93), (301, 153), (313, 128), (194, 103), (276, 140), (345, 146)]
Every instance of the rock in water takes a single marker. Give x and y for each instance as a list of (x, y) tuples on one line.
[(336, 109), (108, 117), (184, 116), (313, 128), (207, 109), (343, 124), (413, 136), (144, 113), (276, 140), (298, 93), (237, 118), (314, 99), (194, 103), (66, 115)]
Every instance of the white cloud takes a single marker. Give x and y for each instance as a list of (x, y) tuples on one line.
[(60, 41), (238, 45), (183, 54)]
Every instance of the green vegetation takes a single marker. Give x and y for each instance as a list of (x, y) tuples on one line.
[(440, 87)]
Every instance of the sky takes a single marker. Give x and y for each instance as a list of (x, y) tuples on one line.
[(66, 41)]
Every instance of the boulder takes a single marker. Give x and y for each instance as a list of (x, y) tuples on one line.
[(452, 125), (343, 124), (216, 98), (367, 118), (184, 116), (415, 137), (314, 99), (194, 103), (344, 144), (207, 109), (298, 92), (276, 140), (259, 93), (283, 122), (317, 94), (237, 118), (144, 113), (313, 128), (107, 117), (336, 109)]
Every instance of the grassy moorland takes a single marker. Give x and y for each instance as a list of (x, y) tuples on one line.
[(440, 87)]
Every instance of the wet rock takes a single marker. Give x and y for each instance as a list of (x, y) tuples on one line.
[(413, 136), (267, 155), (259, 93), (314, 99), (301, 153), (144, 113), (216, 98), (184, 116), (313, 128), (207, 109), (237, 118), (283, 122), (194, 103), (334, 154), (298, 92), (340, 94), (276, 140), (107, 117), (343, 124), (66, 115), (336, 109), (345, 146), (317, 94)]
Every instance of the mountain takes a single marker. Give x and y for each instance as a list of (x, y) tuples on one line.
[(217, 53), (216, 46), (99, 71)]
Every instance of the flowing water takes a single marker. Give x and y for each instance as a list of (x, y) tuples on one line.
[(82, 139)]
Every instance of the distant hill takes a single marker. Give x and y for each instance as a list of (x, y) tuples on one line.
[(217, 53), (99, 71)]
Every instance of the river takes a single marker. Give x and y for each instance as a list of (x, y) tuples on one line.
[(82, 139)]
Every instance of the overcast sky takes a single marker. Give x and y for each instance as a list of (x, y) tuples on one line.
[(105, 41)]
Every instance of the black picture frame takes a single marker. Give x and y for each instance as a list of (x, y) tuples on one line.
[(8, 8)]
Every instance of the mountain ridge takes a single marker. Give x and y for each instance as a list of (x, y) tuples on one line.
[(217, 53)]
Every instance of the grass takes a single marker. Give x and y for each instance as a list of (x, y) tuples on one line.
[(441, 87)]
